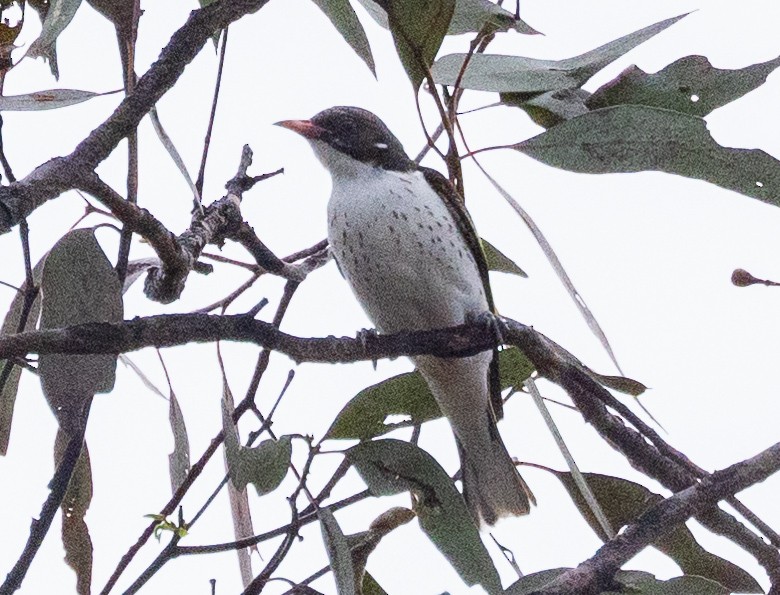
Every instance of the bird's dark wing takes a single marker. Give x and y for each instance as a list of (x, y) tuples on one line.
[(457, 208)]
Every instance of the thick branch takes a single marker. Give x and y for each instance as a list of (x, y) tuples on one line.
[(58, 175), (595, 575), (179, 329)]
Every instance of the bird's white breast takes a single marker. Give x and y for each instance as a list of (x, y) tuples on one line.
[(399, 248)]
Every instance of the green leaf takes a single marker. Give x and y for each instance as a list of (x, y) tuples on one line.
[(418, 29), (264, 465), (9, 373), (623, 501), (531, 583), (78, 285), (58, 16), (498, 261), (491, 72), (551, 108), (471, 16), (338, 553), (392, 466), (632, 138), (468, 16), (75, 533), (407, 395), (690, 85), (644, 583), (346, 22), (370, 586), (365, 415), (179, 459)]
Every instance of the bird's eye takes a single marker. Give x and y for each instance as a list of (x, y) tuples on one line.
[(380, 145)]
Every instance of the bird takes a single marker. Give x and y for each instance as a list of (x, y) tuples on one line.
[(403, 240)]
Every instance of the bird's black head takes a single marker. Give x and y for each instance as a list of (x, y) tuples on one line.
[(357, 133)]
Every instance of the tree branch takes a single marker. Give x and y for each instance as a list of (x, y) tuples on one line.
[(58, 175), (596, 574)]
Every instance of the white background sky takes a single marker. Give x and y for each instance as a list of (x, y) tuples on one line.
[(651, 254)]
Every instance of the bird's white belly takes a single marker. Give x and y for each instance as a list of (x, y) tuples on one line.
[(400, 250)]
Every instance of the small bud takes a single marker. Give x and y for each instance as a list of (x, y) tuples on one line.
[(741, 278)]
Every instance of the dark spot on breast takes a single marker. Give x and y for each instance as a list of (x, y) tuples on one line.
[(460, 252), (404, 217), (391, 228), (344, 235), (418, 209), (421, 226), (440, 224), (395, 214), (430, 227), (360, 239)]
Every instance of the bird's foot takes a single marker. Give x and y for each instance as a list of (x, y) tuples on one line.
[(492, 322), (364, 336)]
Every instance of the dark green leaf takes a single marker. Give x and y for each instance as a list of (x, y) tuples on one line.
[(644, 583), (534, 582), (418, 29), (408, 396), (78, 285), (179, 459), (264, 465), (551, 108), (498, 261), (690, 85), (9, 379), (622, 384), (623, 501), (344, 19), (362, 544), (75, 534), (515, 368), (340, 557), (490, 72), (365, 415), (371, 587), (392, 466), (632, 138), (470, 16)]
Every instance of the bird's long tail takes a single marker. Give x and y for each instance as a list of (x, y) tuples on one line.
[(492, 486)]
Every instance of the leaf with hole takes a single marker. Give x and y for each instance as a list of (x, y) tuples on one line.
[(75, 533), (393, 466), (690, 85), (406, 400), (633, 138)]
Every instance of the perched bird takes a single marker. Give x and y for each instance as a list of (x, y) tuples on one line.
[(404, 242)]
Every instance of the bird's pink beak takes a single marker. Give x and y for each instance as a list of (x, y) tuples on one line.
[(303, 127)]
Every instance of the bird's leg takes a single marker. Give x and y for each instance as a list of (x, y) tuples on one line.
[(365, 335)]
